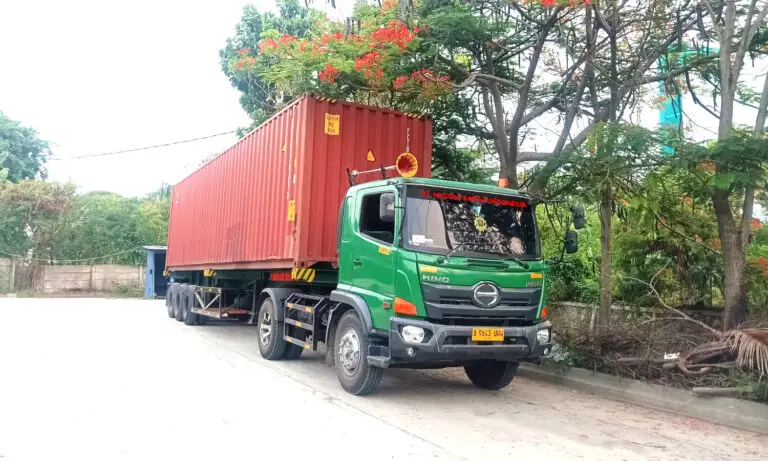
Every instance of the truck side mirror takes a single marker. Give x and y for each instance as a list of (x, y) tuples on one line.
[(387, 207), (577, 213), (571, 242)]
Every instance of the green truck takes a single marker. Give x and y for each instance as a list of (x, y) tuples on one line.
[(424, 273)]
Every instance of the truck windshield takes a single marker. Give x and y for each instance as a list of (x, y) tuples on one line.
[(474, 224)]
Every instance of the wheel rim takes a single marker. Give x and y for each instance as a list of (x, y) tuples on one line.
[(349, 352), (265, 328)]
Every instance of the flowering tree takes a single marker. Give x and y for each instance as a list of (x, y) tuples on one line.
[(260, 98), (373, 59)]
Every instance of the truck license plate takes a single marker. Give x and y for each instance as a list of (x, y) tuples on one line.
[(488, 334)]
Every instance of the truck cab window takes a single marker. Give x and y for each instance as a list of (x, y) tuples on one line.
[(370, 222)]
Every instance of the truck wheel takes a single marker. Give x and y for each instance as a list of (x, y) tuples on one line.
[(169, 301), (351, 344), (178, 304), (202, 319), (491, 374), (190, 318), (271, 343)]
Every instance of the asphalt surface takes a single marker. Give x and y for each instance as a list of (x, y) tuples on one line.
[(104, 379)]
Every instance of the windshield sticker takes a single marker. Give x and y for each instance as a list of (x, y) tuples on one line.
[(472, 198), (480, 224), (418, 239)]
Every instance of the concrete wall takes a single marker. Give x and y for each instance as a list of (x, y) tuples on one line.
[(5, 275), (579, 315), (107, 277), (47, 280)]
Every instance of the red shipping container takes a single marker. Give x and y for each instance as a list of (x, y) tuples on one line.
[(272, 200)]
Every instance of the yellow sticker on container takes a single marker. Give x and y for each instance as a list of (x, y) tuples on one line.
[(291, 210), (384, 250), (370, 157), (332, 122)]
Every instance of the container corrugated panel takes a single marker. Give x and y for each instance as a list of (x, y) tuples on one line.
[(272, 200)]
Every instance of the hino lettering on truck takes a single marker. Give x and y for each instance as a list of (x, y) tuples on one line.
[(435, 279)]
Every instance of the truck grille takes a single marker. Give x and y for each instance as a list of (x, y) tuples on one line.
[(457, 301), (451, 304)]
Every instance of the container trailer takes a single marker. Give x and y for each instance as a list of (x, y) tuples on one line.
[(323, 227)]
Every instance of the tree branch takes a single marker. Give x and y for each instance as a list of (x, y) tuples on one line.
[(682, 314)]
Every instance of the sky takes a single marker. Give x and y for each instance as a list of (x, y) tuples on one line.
[(100, 76)]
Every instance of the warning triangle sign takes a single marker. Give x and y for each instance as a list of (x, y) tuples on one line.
[(370, 156)]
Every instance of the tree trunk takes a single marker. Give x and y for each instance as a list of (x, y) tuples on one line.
[(735, 286), (606, 282), (734, 259)]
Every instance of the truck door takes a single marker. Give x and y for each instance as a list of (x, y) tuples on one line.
[(374, 255)]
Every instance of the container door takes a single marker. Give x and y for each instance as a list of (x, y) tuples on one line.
[(374, 255)]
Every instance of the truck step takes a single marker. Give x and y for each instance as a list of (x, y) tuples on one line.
[(296, 323), (299, 307), (378, 361), (297, 342)]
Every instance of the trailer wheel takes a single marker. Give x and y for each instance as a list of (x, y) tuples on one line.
[(491, 374), (178, 305), (169, 301), (351, 344), (190, 318), (271, 343)]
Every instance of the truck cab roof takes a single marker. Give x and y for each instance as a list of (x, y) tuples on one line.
[(441, 183)]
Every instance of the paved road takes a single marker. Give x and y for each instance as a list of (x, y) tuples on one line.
[(95, 379)]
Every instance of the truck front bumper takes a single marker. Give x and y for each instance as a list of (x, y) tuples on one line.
[(445, 345)]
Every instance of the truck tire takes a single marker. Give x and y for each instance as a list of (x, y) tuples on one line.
[(271, 343), (351, 346), (169, 301), (202, 319), (491, 374), (190, 318), (178, 303)]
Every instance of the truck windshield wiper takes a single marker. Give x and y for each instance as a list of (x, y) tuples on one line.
[(454, 250), (522, 263)]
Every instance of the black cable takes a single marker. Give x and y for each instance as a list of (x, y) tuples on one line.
[(144, 148)]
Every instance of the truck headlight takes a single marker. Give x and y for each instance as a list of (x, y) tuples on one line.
[(413, 335), (542, 336)]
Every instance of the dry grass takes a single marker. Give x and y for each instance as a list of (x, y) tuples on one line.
[(636, 348)]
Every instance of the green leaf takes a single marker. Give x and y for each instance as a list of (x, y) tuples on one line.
[(723, 181)]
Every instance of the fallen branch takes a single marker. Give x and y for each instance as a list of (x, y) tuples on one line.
[(721, 391), (683, 315)]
